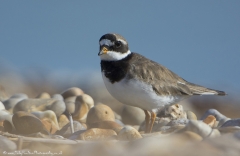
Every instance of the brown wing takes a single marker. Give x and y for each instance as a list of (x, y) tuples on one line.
[(163, 80)]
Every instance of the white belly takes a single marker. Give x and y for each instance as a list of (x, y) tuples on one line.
[(136, 93)]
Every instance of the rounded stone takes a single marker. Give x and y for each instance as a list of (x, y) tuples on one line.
[(8, 126), (215, 113), (210, 120), (48, 114), (62, 121), (74, 91), (31, 105), (95, 134), (19, 96), (58, 106), (83, 104), (70, 107), (49, 125), (11, 102), (230, 129), (27, 123), (6, 119), (132, 115), (43, 95), (198, 127), (7, 145), (70, 99), (232, 122), (57, 97), (191, 115), (66, 130), (128, 133), (100, 113), (106, 125), (214, 133), (2, 107)]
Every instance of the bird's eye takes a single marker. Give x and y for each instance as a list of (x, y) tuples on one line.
[(118, 44)]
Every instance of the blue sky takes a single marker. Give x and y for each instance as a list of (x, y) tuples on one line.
[(198, 40)]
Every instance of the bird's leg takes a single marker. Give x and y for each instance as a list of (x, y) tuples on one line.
[(147, 118), (153, 117)]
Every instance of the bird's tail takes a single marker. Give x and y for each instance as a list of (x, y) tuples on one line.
[(200, 90)]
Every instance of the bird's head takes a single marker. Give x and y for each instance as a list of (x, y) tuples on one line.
[(113, 47)]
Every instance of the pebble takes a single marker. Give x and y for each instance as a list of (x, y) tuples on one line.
[(232, 122), (8, 126), (198, 127), (106, 125), (210, 120), (49, 125), (43, 95), (214, 133), (6, 145), (99, 113), (26, 123), (48, 114), (74, 91), (95, 134), (129, 116), (83, 104), (19, 96), (230, 129), (13, 100), (191, 115), (128, 133), (70, 107), (58, 106), (66, 130), (6, 119), (219, 117), (70, 99), (57, 97), (62, 121), (30, 105), (2, 107)]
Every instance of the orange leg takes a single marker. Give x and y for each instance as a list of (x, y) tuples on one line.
[(153, 117), (147, 118)]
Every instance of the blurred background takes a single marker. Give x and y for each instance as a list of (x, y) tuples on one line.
[(53, 45)]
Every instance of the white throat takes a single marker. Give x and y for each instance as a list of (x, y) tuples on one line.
[(114, 56)]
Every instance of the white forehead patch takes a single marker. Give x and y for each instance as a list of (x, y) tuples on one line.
[(106, 42), (110, 43), (114, 56)]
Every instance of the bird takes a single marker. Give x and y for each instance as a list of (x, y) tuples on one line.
[(137, 81)]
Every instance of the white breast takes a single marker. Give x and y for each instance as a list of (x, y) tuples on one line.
[(137, 93)]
